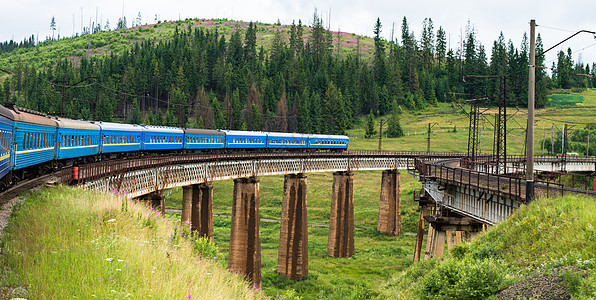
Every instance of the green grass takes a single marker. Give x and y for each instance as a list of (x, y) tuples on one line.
[(66, 242), (565, 99), (541, 237)]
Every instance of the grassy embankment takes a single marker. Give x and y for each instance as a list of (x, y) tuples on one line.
[(68, 243), (546, 249)]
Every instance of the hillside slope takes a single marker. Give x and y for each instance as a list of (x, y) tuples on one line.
[(70, 242), (115, 41), (546, 249)]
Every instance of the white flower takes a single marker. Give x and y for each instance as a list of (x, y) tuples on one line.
[(111, 220), (109, 259)]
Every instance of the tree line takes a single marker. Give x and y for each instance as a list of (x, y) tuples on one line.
[(200, 78)]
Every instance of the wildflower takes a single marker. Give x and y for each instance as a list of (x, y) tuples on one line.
[(118, 269), (189, 296), (109, 259), (111, 220)]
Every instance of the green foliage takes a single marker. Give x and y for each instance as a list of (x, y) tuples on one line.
[(464, 279), (394, 129), (155, 65), (370, 126), (204, 246)]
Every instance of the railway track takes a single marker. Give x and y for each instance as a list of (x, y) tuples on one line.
[(27, 185)]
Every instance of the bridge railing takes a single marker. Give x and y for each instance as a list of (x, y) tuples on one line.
[(501, 185), (101, 169)]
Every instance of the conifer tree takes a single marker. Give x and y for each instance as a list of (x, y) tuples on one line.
[(393, 125), (53, 26), (370, 126)]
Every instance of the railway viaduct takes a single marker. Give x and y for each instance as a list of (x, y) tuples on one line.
[(456, 201)]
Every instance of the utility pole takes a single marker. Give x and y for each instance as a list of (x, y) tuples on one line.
[(530, 126), (588, 143), (543, 139), (430, 126), (552, 139), (381, 133)]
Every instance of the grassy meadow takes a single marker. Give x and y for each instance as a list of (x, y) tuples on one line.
[(104, 247), (449, 131), (377, 256)]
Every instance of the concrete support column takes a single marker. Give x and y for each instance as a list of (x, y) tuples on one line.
[(390, 204), (449, 237), (202, 210), (439, 243), (420, 233), (341, 225), (156, 199), (435, 245), (245, 239), (458, 237), (428, 251), (187, 193), (292, 259)]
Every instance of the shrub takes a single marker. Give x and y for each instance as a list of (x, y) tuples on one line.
[(204, 246), (464, 279)]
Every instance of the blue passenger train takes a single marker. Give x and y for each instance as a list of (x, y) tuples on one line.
[(33, 143)]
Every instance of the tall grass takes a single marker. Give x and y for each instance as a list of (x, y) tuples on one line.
[(70, 243)]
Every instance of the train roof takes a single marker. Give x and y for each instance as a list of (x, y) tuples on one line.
[(328, 136), (6, 112), (20, 114), (76, 124), (119, 126), (285, 134), (168, 129), (202, 131), (244, 133)]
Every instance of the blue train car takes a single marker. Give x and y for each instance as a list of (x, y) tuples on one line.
[(6, 131), (34, 138), (203, 139), (119, 137), (245, 139), (77, 138), (162, 138), (329, 142), (280, 140)]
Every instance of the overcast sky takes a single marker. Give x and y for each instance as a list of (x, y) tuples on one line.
[(556, 19)]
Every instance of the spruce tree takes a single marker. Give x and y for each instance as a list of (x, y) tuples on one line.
[(393, 125), (370, 126)]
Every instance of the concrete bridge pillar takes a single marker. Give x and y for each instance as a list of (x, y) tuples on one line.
[(292, 259), (156, 199), (187, 193), (202, 210), (420, 233), (245, 239), (341, 225), (197, 208), (390, 204), (441, 231)]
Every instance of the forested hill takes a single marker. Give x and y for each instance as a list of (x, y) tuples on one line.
[(239, 75)]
